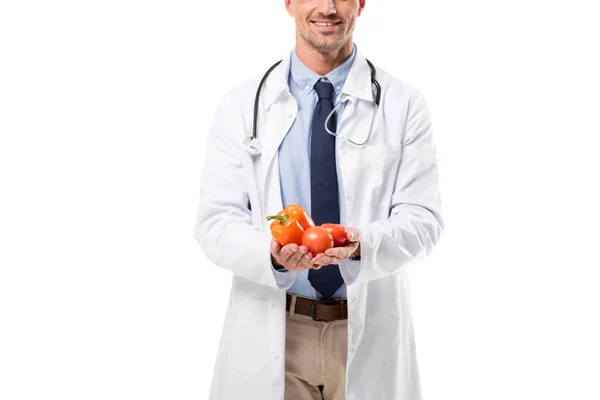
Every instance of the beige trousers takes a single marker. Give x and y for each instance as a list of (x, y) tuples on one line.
[(315, 358)]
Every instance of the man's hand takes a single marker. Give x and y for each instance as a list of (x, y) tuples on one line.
[(336, 255), (291, 256)]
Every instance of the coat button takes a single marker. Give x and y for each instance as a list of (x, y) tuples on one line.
[(276, 356), (348, 197), (352, 350), (353, 300), (273, 305)]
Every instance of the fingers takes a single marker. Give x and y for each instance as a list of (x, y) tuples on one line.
[(298, 258), (281, 254), (286, 254), (322, 259), (336, 255), (304, 261), (292, 256), (338, 252), (295, 256)]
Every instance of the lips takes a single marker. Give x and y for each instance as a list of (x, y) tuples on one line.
[(326, 25), (323, 23)]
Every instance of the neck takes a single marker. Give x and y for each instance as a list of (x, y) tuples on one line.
[(322, 63)]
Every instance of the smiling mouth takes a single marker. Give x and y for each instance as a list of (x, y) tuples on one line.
[(322, 24)]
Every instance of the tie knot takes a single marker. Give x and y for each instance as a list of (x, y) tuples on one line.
[(324, 89)]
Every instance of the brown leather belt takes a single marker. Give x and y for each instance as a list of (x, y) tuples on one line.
[(319, 310)]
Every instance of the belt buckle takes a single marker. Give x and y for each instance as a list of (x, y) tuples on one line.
[(313, 308)]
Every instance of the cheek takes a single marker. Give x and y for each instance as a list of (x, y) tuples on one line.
[(351, 23)]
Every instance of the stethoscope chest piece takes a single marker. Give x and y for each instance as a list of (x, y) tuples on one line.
[(253, 146)]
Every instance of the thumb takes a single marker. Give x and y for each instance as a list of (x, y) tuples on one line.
[(275, 247), (354, 235)]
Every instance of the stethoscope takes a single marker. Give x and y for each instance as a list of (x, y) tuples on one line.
[(252, 144)]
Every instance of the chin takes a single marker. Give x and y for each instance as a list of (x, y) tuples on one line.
[(326, 46)]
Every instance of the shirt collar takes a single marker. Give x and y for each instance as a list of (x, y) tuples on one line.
[(305, 78)]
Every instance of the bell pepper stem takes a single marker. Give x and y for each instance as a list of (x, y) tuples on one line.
[(281, 218)]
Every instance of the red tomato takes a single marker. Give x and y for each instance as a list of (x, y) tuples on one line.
[(317, 239), (339, 233)]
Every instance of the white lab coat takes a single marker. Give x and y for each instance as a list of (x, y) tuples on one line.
[(391, 193)]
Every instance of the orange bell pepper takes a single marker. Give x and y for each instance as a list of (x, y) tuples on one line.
[(286, 230), (296, 211)]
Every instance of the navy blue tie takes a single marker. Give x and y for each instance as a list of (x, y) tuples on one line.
[(325, 203)]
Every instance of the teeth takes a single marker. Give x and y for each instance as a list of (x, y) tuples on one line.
[(323, 23)]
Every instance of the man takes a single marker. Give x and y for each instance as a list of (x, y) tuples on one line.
[(335, 325)]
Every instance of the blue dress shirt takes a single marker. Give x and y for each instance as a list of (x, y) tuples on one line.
[(294, 151)]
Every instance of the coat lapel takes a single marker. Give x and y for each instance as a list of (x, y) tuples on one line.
[(277, 112)]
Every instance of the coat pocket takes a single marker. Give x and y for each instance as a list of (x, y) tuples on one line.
[(250, 345)]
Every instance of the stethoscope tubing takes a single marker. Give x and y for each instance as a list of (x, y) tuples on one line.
[(252, 143)]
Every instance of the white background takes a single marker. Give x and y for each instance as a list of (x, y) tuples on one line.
[(104, 108)]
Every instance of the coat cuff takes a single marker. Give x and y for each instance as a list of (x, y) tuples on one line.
[(350, 270)]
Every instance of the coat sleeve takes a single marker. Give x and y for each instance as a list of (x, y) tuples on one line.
[(224, 226), (415, 223)]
